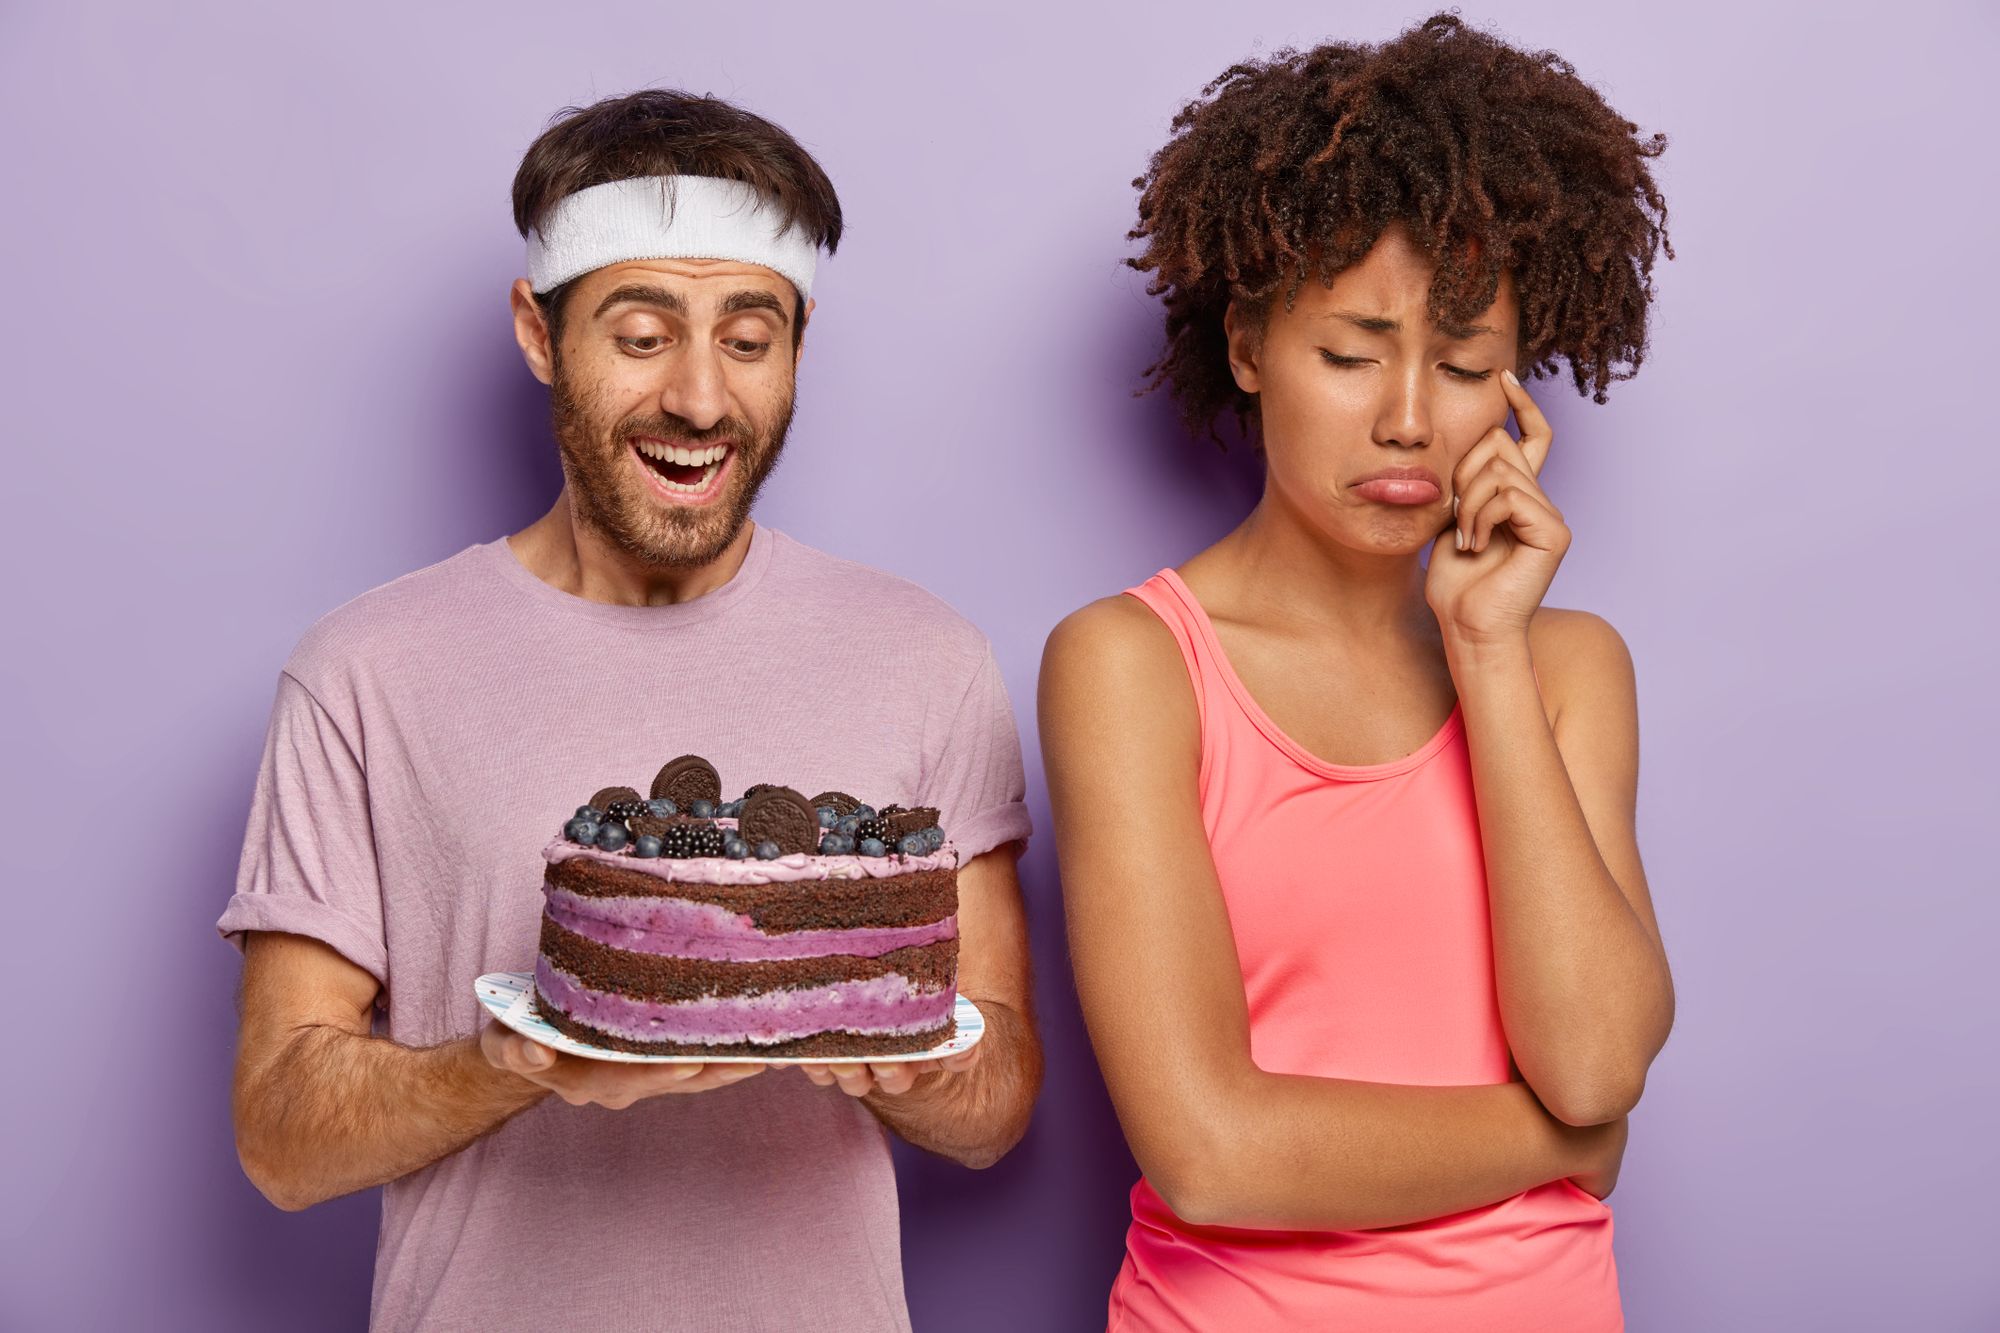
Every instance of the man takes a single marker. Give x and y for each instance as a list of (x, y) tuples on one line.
[(432, 734)]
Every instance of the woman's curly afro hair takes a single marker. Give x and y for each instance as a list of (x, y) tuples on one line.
[(1492, 157)]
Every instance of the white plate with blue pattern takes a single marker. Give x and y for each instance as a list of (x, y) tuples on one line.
[(509, 997)]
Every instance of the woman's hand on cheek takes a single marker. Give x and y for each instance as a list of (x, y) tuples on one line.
[(1513, 537)]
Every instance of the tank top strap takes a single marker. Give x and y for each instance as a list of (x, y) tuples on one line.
[(1166, 597)]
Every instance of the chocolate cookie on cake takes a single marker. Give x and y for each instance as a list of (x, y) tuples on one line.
[(774, 924)]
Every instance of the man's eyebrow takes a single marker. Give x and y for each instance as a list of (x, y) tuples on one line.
[(641, 293), (752, 299), (1383, 324)]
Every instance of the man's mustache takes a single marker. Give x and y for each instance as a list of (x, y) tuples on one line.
[(675, 430)]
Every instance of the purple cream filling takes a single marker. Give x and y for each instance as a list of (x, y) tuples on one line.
[(885, 1005), (675, 927)]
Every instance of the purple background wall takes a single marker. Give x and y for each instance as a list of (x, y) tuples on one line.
[(258, 360)]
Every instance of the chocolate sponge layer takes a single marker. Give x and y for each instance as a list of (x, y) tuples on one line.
[(822, 1045), (914, 899), (658, 977)]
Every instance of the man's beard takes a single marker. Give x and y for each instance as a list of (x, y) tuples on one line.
[(618, 506)]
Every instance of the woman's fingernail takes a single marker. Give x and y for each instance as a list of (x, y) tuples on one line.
[(1454, 506), (1508, 375), (1459, 537)]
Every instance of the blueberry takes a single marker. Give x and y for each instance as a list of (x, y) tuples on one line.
[(581, 830), (735, 849), (835, 844), (590, 812), (730, 809), (768, 851), (702, 808), (933, 838), (873, 847), (864, 812), (828, 816), (613, 836), (848, 824), (662, 808), (912, 844), (648, 845)]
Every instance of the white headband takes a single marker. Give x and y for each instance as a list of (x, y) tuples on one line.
[(666, 217)]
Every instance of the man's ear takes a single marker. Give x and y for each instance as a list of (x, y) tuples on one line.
[(799, 334), (1245, 331), (531, 331)]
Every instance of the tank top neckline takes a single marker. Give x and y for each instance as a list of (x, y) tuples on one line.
[(1275, 734)]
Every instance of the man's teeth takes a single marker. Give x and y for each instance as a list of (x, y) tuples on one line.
[(673, 453), (707, 475)]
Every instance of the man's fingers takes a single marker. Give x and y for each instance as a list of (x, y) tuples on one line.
[(896, 1079), (854, 1079)]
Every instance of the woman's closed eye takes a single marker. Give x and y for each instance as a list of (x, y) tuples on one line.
[(1456, 372)]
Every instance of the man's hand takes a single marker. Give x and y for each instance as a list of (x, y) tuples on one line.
[(891, 1078), (585, 1082)]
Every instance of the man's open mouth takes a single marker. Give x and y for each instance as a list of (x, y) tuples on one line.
[(680, 467)]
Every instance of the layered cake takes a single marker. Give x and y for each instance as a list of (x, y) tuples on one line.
[(774, 924)]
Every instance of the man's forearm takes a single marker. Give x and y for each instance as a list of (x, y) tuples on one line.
[(976, 1116), (338, 1111)]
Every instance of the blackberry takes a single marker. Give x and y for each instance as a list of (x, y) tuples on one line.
[(876, 828), (690, 839), (610, 796), (623, 811)]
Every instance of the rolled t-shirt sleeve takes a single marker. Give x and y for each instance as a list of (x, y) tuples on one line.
[(976, 781), (309, 865)]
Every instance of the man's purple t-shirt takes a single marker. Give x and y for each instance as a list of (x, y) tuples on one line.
[(431, 735)]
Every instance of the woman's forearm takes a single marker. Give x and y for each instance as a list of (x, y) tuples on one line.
[(1290, 1151), (1583, 987)]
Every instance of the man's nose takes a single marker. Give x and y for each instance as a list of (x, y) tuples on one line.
[(695, 389)]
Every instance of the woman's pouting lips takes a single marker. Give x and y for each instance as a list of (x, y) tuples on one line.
[(1400, 486)]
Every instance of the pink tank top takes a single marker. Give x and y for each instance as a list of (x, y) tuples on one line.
[(1357, 895)]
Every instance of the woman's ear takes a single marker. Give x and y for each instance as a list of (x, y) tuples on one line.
[(1245, 330)]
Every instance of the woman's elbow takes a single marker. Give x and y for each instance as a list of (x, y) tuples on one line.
[(1595, 1103), (1196, 1176)]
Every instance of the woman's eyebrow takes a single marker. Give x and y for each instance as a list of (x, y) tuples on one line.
[(1383, 324)]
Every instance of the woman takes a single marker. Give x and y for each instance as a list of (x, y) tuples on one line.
[(1356, 912)]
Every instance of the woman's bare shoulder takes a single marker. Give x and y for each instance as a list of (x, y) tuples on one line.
[(1580, 657), (1119, 632), (1114, 658)]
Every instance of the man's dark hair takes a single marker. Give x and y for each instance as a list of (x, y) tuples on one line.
[(1492, 157), (665, 132)]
